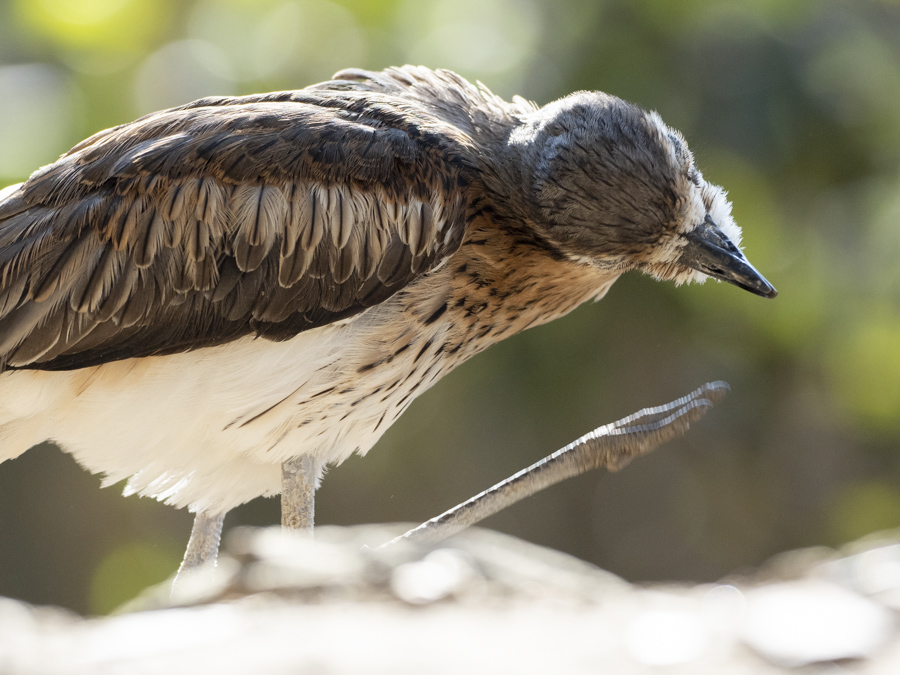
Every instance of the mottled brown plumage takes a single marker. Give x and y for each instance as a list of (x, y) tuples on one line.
[(191, 299), (329, 201)]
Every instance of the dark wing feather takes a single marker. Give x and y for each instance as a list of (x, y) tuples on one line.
[(264, 215)]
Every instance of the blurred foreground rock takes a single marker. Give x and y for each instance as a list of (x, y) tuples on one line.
[(481, 602)]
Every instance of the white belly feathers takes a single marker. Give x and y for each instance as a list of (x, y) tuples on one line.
[(209, 429)]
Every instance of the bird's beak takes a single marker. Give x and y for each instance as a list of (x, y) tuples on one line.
[(709, 251)]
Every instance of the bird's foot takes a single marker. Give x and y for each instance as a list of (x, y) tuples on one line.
[(611, 446)]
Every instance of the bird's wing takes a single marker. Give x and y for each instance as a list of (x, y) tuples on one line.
[(264, 215)]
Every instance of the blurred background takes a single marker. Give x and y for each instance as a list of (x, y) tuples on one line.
[(792, 105)]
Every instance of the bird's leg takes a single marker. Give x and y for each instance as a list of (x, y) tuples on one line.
[(203, 546), (611, 446), (298, 493)]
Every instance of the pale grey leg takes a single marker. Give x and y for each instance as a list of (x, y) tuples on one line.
[(203, 546), (298, 493), (611, 446)]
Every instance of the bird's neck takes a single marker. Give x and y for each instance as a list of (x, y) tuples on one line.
[(502, 282), (506, 166)]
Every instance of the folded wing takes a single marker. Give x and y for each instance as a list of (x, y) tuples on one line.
[(264, 215)]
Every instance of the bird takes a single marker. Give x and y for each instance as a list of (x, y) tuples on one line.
[(217, 301)]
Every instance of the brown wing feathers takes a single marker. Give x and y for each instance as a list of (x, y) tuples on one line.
[(196, 226)]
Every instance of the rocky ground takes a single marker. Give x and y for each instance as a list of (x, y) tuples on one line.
[(480, 602)]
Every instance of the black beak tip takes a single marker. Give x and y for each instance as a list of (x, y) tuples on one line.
[(756, 284), (768, 291)]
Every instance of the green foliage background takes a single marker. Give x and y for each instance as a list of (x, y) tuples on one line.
[(792, 105)]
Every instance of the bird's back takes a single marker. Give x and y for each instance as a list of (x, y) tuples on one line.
[(262, 215)]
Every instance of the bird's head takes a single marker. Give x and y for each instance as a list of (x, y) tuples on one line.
[(614, 187)]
